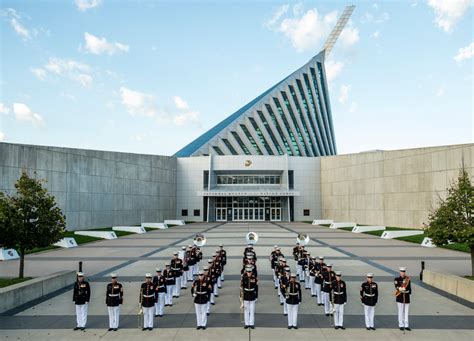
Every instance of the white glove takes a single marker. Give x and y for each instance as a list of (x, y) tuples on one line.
[(194, 295)]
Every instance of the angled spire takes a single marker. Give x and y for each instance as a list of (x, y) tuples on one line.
[(336, 31)]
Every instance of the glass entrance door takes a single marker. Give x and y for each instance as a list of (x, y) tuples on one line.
[(221, 214), (275, 214)]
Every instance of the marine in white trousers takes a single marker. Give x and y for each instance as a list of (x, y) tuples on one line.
[(285, 308), (81, 315), (114, 316), (292, 314), (148, 317), (299, 271), (327, 303), (169, 295), (215, 291), (184, 280), (319, 296), (369, 312), (201, 314), (312, 285), (307, 283), (338, 315), (249, 313), (219, 282), (403, 314), (177, 287), (160, 304)]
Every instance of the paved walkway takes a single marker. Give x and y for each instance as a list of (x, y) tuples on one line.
[(433, 315)]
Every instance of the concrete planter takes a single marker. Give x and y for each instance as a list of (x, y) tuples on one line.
[(458, 286), (322, 222), (97, 234), (362, 229), (160, 226), (175, 222), (133, 229), (397, 234), (18, 294), (342, 225)]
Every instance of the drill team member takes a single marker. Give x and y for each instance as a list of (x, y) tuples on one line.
[(318, 279), (312, 276), (170, 282), (191, 262), (306, 266), (284, 281), (328, 277), (274, 259), (402, 293), (177, 269), (201, 291), (249, 288), (212, 279), (369, 293), (160, 292), (113, 300), (147, 302), (223, 257), (184, 277), (208, 279), (81, 297), (293, 298), (340, 299)]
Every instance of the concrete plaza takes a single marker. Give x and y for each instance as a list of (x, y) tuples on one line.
[(433, 315)]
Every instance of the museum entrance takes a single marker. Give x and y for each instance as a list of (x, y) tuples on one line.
[(248, 208)]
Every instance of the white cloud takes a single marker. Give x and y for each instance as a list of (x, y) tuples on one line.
[(377, 18), (2, 136), (344, 93), (84, 5), (354, 106), (21, 30), (448, 12), (4, 109), (375, 35), (99, 45), (138, 137), (439, 92), (17, 25), (185, 114), (39, 73), (333, 69), (24, 114), (67, 68), (137, 103), (279, 12), (465, 53), (305, 30)]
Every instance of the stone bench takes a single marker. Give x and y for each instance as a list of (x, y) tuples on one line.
[(455, 285), (342, 225), (66, 243), (175, 222), (97, 234), (322, 222), (362, 229), (161, 226), (7, 254), (133, 229), (18, 294), (397, 234)]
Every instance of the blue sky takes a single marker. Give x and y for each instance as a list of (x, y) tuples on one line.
[(149, 77)]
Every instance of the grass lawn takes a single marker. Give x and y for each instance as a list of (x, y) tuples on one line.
[(80, 239), (39, 249), (5, 282), (346, 229), (469, 277), (388, 228)]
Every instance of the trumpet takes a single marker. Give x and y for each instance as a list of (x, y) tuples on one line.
[(199, 240), (251, 238), (302, 239), (140, 310)]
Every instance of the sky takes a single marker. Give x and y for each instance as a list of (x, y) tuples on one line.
[(150, 76)]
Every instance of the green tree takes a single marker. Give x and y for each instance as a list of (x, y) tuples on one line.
[(30, 218), (453, 219)]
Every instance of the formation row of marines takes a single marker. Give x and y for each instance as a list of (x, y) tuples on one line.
[(325, 285)]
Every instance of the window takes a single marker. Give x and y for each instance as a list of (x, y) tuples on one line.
[(241, 143), (218, 150), (260, 136), (229, 146), (306, 213), (205, 179), (248, 179), (270, 132), (291, 181), (184, 213), (280, 132), (197, 213), (293, 119), (251, 139), (287, 126)]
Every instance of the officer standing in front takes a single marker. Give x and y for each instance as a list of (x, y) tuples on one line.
[(160, 292), (201, 291), (113, 300), (81, 297), (249, 286), (402, 293), (369, 293), (340, 299), (293, 299), (147, 302)]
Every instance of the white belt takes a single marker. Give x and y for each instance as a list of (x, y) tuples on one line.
[(293, 294), (248, 289), (114, 295), (161, 286), (338, 293), (174, 268), (201, 292), (327, 282), (147, 296), (369, 295)]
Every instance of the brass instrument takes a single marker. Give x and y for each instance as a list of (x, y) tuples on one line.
[(140, 310), (251, 238), (302, 239), (199, 240), (402, 288)]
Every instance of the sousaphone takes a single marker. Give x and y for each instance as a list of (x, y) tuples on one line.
[(302, 239), (199, 240), (251, 238)]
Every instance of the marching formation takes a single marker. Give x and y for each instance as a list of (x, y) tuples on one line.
[(325, 285)]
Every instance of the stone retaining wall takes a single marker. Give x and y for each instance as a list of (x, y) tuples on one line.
[(458, 286)]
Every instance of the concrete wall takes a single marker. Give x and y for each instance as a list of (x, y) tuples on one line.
[(392, 188), (458, 286), (96, 188)]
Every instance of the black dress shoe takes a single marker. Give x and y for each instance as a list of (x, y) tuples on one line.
[(115, 329), (216, 295), (77, 328), (208, 314), (246, 327), (203, 328), (285, 314), (401, 328), (170, 305), (198, 328), (313, 295), (156, 315), (327, 314), (83, 328), (150, 329), (406, 328), (336, 327), (110, 329), (367, 328), (281, 303), (252, 326), (343, 328), (295, 327), (143, 329), (289, 327), (213, 303), (373, 328)]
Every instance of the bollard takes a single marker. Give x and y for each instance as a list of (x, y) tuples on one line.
[(422, 268), (80, 266)]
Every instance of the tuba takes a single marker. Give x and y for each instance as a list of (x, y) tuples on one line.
[(302, 239), (252, 238), (199, 240)]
